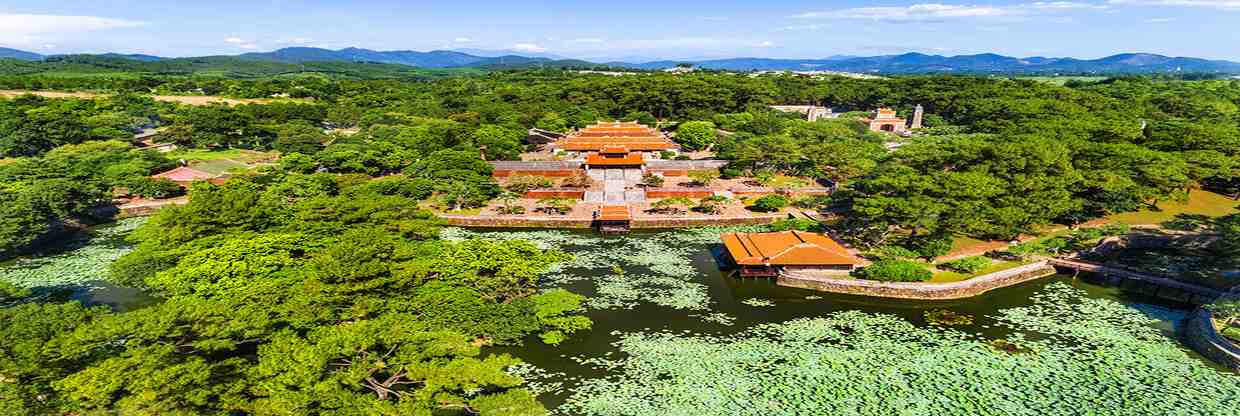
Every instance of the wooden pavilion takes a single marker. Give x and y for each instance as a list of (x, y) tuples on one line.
[(767, 254)]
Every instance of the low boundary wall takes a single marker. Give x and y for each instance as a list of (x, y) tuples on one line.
[(516, 222), (579, 223), (1201, 336), (918, 291)]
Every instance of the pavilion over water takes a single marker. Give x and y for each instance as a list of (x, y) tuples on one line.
[(766, 254)]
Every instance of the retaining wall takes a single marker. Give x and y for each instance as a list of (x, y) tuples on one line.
[(919, 291), (637, 223), (1201, 336), (516, 222), (684, 222)]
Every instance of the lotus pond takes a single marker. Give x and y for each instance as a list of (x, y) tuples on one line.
[(675, 335)]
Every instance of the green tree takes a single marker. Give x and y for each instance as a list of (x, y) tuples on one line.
[(696, 135)]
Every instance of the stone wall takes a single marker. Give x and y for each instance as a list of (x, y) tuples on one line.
[(684, 222), (1201, 336), (637, 223), (920, 291), (516, 222)]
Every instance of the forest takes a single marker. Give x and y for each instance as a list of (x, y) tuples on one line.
[(321, 285)]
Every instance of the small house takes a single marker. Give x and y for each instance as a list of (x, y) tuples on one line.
[(767, 254)]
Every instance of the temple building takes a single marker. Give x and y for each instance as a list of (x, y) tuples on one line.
[(615, 144), (767, 254), (884, 120)]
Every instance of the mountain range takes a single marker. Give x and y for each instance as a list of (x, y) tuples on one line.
[(909, 63)]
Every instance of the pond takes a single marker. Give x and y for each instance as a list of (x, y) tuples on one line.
[(76, 269), (674, 334)]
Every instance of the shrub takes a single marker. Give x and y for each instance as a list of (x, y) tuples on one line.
[(799, 224), (683, 157), (812, 202), (968, 264), (525, 183), (556, 205), (703, 177), (579, 180), (652, 180), (710, 205), (667, 155), (731, 172), (770, 203), (153, 188), (894, 271), (671, 205)]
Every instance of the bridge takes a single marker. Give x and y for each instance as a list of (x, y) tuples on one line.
[(1198, 293)]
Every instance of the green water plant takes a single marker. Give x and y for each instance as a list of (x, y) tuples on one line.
[(944, 317), (1092, 354)]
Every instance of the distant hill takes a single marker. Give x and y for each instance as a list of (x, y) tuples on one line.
[(18, 54), (220, 66), (916, 63), (909, 63), (432, 59)]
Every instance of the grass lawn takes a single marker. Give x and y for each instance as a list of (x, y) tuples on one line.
[(1199, 202), (789, 182), (957, 276), (220, 166), (237, 155)]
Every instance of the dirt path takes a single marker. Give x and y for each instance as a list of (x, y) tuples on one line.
[(182, 99)]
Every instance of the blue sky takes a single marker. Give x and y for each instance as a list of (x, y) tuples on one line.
[(633, 28)]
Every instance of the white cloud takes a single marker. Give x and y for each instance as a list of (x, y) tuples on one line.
[(528, 47), (462, 40), (916, 12), (234, 40), (765, 44), (803, 27), (713, 18), (588, 40), (248, 46), (1160, 20), (1217, 4), (28, 29), (1065, 5), (293, 41)]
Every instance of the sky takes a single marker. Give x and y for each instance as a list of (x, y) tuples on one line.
[(633, 29)]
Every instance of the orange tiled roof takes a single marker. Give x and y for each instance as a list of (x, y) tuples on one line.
[(596, 159), (788, 248), (633, 136), (615, 213), (614, 149), (186, 174)]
